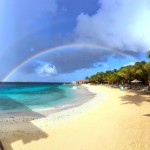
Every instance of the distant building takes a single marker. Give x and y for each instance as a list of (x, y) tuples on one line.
[(81, 81)]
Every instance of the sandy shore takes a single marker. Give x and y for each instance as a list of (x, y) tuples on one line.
[(112, 120)]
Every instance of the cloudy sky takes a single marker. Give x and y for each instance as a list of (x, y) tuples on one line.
[(66, 40)]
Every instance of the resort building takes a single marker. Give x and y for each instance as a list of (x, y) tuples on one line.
[(81, 81)]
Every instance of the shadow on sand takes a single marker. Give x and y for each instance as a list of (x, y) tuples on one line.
[(147, 115), (137, 98), (12, 128)]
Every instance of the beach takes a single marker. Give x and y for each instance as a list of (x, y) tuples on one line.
[(112, 120)]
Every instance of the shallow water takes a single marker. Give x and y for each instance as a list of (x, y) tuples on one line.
[(29, 96)]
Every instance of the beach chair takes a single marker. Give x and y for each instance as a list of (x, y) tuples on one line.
[(146, 90)]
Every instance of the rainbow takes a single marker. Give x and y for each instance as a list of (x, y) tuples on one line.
[(69, 46)]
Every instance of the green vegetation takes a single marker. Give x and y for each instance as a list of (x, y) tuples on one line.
[(140, 71), (148, 53)]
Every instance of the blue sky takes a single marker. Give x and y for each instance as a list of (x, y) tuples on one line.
[(29, 27)]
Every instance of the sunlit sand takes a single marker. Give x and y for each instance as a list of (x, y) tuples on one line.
[(112, 120)]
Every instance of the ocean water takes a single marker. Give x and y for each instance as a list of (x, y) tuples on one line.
[(29, 96)]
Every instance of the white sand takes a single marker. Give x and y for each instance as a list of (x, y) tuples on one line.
[(112, 120)]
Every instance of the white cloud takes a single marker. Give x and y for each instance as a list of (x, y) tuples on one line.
[(124, 25), (46, 70)]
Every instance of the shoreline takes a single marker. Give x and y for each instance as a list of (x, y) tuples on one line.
[(120, 121), (46, 112), (82, 93), (43, 117), (69, 113)]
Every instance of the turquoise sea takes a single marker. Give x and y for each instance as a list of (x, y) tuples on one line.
[(27, 96)]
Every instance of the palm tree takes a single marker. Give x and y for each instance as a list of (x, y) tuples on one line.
[(87, 78), (127, 73), (147, 68), (140, 71), (148, 54)]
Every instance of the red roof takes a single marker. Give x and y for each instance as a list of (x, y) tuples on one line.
[(81, 81)]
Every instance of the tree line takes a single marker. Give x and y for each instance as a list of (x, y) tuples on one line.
[(124, 75)]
